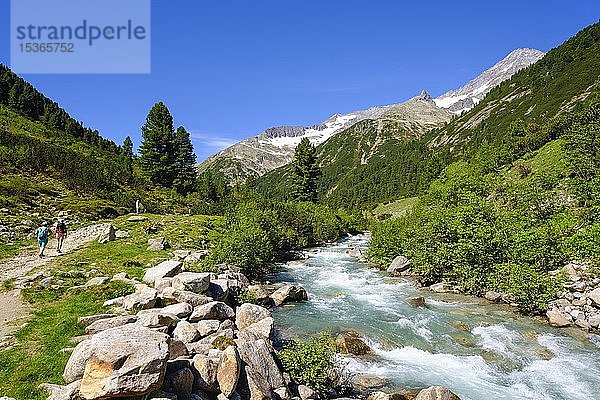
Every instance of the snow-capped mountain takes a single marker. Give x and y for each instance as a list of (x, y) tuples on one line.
[(466, 97), (274, 147)]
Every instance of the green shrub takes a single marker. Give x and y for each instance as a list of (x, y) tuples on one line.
[(313, 363)]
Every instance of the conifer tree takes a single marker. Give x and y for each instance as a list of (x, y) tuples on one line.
[(305, 172), (128, 147), (156, 150), (185, 161)]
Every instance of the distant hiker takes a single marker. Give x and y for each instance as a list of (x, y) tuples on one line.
[(43, 233), (61, 233), (139, 207)]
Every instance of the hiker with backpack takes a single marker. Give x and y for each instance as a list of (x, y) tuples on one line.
[(61, 234), (43, 233)]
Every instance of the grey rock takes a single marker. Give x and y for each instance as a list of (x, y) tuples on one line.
[(218, 289), (306, 393), (181, 310), (262, 329), (107, 235), (558, 319), (493, 296), (247, 314), (125, 361), (86, 321), (171, 295), (181, 383), (368, 382), (165, 269), (186, 332), (207, 373), (97, 281), (208, 326), (436, 393), (143, 298), (60, 392), (155, 318), (213, 310), (258, 356), (289, 293), (159, 243), (594, 295), (108, 323), (121, 234), (194, 282), (399, 265)]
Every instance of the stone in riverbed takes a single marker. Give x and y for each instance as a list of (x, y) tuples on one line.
[(399, 266), (417, 301), (493, 296), (351, 343), (289, 293), (367, 382), (436, 393), (440, 288), (558, 319)]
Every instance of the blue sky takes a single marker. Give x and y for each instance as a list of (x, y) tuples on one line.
[(229, 69)]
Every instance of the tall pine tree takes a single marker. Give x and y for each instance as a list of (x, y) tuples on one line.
[(305, 172), (185, 161), (156, 151)]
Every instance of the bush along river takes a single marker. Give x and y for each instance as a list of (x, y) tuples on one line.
[(478, 350)]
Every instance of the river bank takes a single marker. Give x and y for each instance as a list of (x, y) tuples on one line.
[(475, 348)]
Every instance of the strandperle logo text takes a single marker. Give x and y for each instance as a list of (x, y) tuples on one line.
[(84, 31)]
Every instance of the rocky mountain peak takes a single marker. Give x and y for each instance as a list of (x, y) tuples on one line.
[(466, 97), (424, 96)]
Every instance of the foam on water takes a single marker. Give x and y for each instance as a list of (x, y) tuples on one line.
[(479, 351)]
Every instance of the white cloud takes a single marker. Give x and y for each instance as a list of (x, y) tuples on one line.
[(213, 141)]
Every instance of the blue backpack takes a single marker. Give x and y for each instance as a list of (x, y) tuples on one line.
[(42, 233)]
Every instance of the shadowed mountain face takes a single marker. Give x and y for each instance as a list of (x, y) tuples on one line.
[(274, 147)]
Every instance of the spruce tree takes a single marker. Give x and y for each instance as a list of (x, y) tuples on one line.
[(185, 161), (305, 172), (156, 150)]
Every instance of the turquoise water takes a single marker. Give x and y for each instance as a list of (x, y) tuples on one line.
[(479, 350)]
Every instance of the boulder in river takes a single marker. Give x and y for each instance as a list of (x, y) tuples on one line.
[(493, 296), (436, 393), (289, 293), (417, 301), (558, 319), (351, 343), (399, 266)]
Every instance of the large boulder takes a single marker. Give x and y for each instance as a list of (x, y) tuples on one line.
[(247, 314), (436, 393), (228, 371), (261, 295), (218, 289), (186, 332), (263, 329), (171, 295), (258, 356), (558, 319), (90, 319), (125, 361), (107, 323), (213, 310), (206, 368), (594, 295), (289, 293), (143, 298), (107, 234), (159, 243), (351, 343), (195, 282), (181, 310), (156, 318), (253, 386), (165, 269), (399, 266), (208, 326)]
